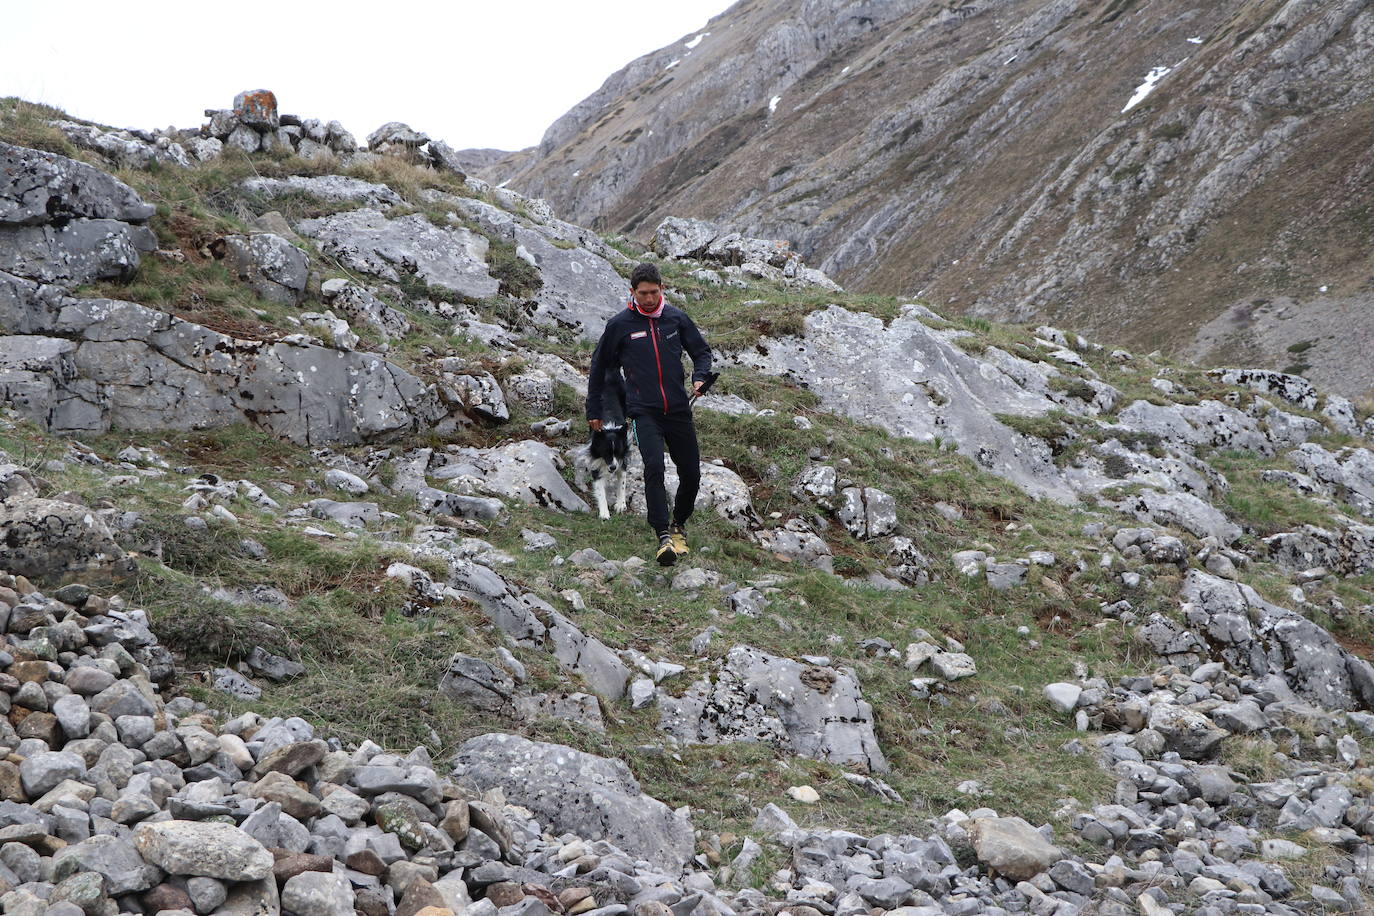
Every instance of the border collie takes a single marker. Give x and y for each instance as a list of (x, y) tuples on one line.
[(609, 450)]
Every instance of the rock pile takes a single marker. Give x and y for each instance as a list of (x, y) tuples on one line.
[(254, 125), (116, 801), (739, 259)]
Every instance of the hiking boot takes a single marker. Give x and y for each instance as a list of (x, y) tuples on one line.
[(678, 538), (666, 555)]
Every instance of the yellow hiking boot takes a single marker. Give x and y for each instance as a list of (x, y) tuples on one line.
[(678, 538), (667, 554)]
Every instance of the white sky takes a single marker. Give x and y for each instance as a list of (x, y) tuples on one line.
[(475, 73)]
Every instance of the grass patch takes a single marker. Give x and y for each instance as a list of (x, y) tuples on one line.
[(1261, 507)]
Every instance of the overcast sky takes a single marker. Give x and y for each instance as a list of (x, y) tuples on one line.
[(476, 73)]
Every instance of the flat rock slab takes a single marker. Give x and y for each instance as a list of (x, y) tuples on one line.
[(909, 380), (449, 258), (336, 188)]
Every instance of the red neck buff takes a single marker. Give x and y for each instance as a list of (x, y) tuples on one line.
[(656, 312)]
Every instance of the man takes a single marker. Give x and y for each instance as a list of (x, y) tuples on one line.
[(646, 340)]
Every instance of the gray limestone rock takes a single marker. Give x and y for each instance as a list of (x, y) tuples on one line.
[(275, 269), (358, 305), (527, 471), (795, 541), (395, 134), (678, 237), (807, 710), (1189, 733), (75, 252), (116, 859), (908, 379), (38, 188), (1292, 388), (580, 288), (56, 542), (191, 377), (122, 148), (1005, 576), (451, 259), (1182, 510), (314, 893), (593, 797), (867, 512), (478, 393), (445, 158), (40, 772), (477, 683), (1011, 847), (333, 188), (1258, 638)]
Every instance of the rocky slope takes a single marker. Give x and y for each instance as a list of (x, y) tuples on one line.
[(304, 612), (1177, 175)]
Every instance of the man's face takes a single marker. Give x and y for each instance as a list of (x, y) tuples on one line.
[(647, 295)]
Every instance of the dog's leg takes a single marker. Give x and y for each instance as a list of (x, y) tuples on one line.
[(620, 476), (599, 488)]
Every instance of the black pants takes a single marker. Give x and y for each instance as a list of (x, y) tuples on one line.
[(676, 431)]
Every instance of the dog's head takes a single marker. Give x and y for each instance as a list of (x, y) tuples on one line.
[(610, 445)]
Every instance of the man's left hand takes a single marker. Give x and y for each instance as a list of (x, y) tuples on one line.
[(696, 386)]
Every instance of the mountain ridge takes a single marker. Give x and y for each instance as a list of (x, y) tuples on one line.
[(978, 154)]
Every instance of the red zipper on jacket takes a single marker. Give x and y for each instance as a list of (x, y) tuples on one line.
[(653, 335)]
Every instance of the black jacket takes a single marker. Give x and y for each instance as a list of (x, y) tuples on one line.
[(649, 350)]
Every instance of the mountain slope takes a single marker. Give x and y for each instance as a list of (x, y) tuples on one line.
[(979, 154)]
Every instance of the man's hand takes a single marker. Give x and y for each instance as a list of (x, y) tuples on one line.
[(595, 425), (696, 386)]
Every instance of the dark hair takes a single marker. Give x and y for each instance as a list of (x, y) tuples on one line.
[(645, 273)]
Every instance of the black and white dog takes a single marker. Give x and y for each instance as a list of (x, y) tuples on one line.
[(609, 451)]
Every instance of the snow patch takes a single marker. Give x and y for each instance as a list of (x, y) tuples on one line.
[(673, 63), (1010, 59), (1151, 81), (1195, 41), (844, 71), (578, 172), (696, 41), (773, 103)]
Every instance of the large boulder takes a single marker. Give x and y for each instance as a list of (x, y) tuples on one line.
[(808, 710), (138, 368), (572, 792), (275, 269), (38, 188), (62, 221), (525, 470), (679, 237), (451, 259), (1181, 510), (1292, 388), (77, 252), (1257, 638), (910, 380), (56, 542), (1011, 847)]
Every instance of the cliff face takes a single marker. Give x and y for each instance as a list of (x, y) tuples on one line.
[(1193, 176)]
